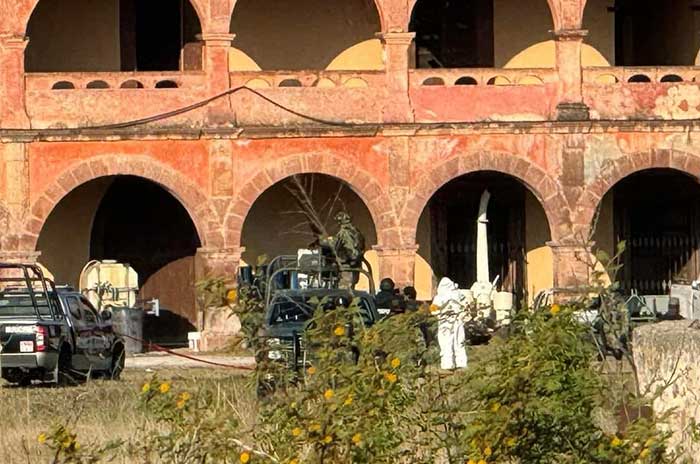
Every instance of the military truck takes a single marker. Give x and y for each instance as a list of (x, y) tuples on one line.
[(52, 334), (295, 287)]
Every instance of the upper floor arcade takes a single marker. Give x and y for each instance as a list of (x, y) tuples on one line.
[(92, 63)]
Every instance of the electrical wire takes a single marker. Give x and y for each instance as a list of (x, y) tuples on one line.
[(192, 107)]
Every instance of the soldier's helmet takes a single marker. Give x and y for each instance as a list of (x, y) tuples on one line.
[(387, 285), (343, 217)]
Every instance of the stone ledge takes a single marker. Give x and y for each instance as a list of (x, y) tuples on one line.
[(667, 353)]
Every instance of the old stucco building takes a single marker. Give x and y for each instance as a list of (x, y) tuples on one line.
[(414, 107)]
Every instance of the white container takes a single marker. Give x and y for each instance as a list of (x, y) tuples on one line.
[(194, 338)]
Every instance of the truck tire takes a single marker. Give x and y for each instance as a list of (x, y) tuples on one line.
[(118, 361)]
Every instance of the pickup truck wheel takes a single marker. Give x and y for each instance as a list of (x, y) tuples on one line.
[(118, 361)]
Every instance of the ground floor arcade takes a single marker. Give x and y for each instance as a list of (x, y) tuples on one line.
[(180, 210)]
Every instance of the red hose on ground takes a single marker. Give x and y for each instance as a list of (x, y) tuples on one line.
[(155, 347)]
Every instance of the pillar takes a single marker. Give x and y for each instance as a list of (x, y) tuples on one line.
[(214, 262), (397, 263), (571, 106), (572, 268), (215, 64), (397, 107), (13, 112)]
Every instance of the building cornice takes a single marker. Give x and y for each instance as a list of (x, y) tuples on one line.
[(359, 130)]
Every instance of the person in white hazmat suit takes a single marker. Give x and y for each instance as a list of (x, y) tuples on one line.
[(450, 311)]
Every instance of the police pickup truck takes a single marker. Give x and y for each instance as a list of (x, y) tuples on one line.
[(52, 335)]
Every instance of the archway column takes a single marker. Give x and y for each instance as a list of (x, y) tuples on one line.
[(398, 263), (215, 63), (218, 262), (397, 107), (572, 271), (13, 113), (568, 58)]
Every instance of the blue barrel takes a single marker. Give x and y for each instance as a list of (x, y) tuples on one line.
[(129, 322)]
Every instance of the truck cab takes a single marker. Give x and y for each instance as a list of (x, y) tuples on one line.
[(52, 334)]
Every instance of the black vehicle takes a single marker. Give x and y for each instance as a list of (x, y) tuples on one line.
[(51, 334), (289, 310)]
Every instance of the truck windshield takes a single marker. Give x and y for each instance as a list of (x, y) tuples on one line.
[(296, 308)]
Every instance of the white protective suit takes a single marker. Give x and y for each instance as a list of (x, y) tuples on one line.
[(451, 313)]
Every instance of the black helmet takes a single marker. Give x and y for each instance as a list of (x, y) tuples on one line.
[(387, 285)]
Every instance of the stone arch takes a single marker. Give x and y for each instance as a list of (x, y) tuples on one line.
[(362, 183), (545, 188), (25, 8), (189, 195), (614, 171)]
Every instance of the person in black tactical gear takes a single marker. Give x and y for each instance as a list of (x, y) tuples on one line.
[(389, 298), (411, 298)]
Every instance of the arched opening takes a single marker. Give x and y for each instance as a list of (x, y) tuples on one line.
[(657, 214), (131, 220), (644, 32), (518, 233), (278, 225), (112, 35), (305, 34), (478, 33)]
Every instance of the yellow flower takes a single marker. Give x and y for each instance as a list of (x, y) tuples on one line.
[(41, 438), (348, 400), (471, 461), (146, 388), (391, 377), (296, 431), (311, 370), (314, 427), (164, 387), (645, 453), (244, 457), (481, 461), (232, 296), (648, 443), (615, 442), (434, 308), (495, 407), (180, 404), (339, 331), (395, 363), (293, 405), (357, 438), (327, 439), (510, 442), (185, 396), (328, 394), (488, 452), (555, 309), (294, 461)]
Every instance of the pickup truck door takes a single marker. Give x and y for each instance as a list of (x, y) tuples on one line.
[(82, 333), (101, 345)]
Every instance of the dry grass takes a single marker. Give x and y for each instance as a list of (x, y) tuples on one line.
[(105, 410)]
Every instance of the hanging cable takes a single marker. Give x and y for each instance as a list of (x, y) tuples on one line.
[(189, 108)]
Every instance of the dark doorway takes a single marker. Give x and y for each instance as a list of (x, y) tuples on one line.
[(452, 34), (657, 214), (154, 33), (655, 33), (134, 221), (453, 213)]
